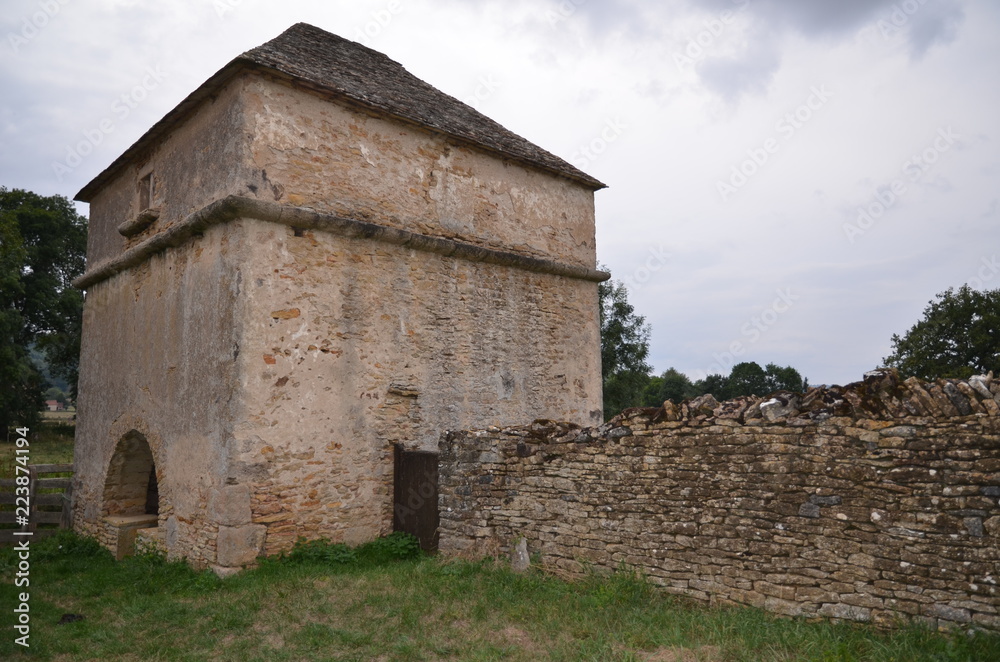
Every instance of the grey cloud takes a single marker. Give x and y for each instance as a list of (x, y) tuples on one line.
[(751, 71), (933, 23), (613, 15), (731, 78), (810, 17), (923, 22)]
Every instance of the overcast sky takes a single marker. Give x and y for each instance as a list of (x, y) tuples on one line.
[(790, 181)]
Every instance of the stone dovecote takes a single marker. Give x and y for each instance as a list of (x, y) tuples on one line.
[(314, 263)]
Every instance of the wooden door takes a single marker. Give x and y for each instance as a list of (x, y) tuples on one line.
[(415, 496)]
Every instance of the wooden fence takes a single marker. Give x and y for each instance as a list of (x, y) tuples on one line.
[(44, 495)]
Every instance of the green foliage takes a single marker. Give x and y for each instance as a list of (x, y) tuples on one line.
[(43, 243), (624, 349), (397, 546), (717, 385), (51, 443), (746, 378), (671, 385), (784, 379), (749, 378), (623, 390), (957, 337), (429, 608), (20, 397), (321, 551), (625, 586), (69, 545)]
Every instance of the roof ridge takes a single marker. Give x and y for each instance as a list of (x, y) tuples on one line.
[(362, 75)]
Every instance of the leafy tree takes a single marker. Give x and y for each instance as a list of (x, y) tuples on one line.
[(957, 337), (783, 379), (624, 349), (671, 385), (43, 242), (20, 383), (748, 378), (714, 384)]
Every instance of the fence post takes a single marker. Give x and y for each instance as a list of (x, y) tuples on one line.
[(67, 508)]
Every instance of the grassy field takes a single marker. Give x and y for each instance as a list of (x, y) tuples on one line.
[(330, 603), (50, 443), (68, 416), (379, 603)]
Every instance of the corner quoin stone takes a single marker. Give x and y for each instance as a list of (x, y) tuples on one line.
[(238, 546), (230, 505)]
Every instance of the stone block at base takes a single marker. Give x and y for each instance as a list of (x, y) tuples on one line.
[(239, 545), (225, 571)]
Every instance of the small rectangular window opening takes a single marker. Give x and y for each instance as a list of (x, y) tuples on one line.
[(145, 191)]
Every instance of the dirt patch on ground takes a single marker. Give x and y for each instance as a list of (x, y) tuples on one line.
[(700, 654), (518, 637)]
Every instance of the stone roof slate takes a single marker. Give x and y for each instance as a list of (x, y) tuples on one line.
[(349, 70)]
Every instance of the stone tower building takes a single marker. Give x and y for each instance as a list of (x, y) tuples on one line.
[(297, 280)]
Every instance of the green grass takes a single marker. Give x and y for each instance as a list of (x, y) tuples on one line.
[(49, 443), (373, 603), (328, 602)]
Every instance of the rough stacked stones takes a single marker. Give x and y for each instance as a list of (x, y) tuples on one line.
[(874, 502)]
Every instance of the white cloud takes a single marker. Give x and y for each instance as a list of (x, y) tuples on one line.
[(561, 80)]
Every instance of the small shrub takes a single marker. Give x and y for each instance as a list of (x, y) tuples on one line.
[(321, 551), (396, 546)]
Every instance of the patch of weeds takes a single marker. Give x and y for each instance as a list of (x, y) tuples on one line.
[(624, 587), (320, 551), (69, 547), (396, 546)]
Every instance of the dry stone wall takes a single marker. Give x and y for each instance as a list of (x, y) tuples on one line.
[(874, 502)]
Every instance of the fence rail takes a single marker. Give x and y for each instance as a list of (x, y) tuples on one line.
[(42, 492)]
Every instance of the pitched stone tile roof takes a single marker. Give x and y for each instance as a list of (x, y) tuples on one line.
[(360, 75)]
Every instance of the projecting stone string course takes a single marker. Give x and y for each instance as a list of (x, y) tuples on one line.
[(873, 502)]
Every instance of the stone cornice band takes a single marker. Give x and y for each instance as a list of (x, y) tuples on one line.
[(235, 206)]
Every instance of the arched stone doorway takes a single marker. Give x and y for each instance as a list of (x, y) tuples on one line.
[(131, 493)]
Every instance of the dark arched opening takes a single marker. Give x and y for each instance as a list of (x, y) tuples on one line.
[(131, 486)]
